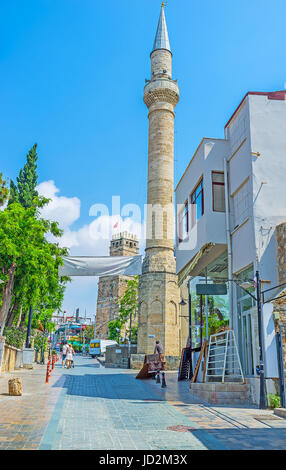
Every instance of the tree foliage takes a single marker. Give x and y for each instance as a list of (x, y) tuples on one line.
[(28, 262), (15, 336), (113, 326), (128, 306), (88, 333), (4, 191), (26, 254), (25, 191)]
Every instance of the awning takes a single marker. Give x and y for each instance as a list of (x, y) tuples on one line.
[(101, 266), (182, 276)]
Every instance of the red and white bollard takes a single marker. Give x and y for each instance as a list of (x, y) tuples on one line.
[(48, 370), (53, 362)]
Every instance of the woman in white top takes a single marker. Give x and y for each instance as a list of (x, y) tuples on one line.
[(69, 356)]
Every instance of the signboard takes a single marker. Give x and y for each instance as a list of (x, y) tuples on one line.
[(118, 351), (211, 289)]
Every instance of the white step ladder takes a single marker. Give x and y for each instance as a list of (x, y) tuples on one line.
[(223, 359)]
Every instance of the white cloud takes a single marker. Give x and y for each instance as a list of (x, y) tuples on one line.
[(89, 240), (65, 210)]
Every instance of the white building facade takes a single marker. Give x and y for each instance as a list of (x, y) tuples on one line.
[(229, 202)]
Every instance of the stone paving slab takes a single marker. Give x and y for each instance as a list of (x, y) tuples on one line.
[(23, 420), (90, 407)]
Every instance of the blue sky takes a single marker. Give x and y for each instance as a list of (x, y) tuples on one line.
[(72, 78)]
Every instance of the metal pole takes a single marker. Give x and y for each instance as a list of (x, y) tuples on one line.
[(207, 317), (28, 337), (190, 331), (190, 316), (262, 402), (229, 248), (281, 368), (129, 343)]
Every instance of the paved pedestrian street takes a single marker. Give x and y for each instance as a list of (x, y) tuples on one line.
[(90, 407)]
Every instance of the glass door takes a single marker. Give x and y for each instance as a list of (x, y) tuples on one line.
[(246, 344)]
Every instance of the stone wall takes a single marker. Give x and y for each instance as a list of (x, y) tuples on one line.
[(109, 291), (279, 309), (9, 359), (281, 252), (161, 63), (110, 288), (137, 362), (119, 360)]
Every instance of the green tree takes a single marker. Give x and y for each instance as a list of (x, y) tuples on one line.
[(52, 290), (128, 306), (4, 191), (25, 191), (88, 333), (25, 252), (15, 336), (113, 326)]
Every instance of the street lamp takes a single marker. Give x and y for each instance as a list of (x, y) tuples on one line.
[(129, 342), (183, 303)]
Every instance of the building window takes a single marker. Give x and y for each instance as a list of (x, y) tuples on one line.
[(197, 201), (241, 204), (218, 191), (184, 223)]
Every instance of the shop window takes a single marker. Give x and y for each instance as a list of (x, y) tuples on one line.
[(197, 201), (218, 191)]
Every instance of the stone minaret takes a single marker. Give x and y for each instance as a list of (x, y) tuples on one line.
[(158, 292), (110, 288)]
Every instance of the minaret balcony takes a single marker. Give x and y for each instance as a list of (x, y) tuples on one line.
[(161, 90)]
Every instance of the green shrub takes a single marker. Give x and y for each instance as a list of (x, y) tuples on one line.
[(40, 341), (15, 336), (273, 400)]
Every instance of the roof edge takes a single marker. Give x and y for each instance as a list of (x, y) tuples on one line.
[(272, 95)]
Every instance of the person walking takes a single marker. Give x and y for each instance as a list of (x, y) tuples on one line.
[(159, 349), (73, 356), (64, 354), (69, 358)]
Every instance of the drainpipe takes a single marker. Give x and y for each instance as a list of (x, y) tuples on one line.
[(229, 250)]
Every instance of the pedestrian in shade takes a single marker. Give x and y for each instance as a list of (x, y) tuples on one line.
[(159, 349)]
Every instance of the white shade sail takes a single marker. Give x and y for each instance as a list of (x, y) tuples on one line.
[(101, 266)]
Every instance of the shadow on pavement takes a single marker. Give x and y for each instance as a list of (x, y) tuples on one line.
[(106, 385)]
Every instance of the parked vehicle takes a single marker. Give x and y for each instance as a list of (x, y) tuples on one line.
[(94, 348), (97, 347)]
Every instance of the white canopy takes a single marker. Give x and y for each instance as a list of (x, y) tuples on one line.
[(101, 266)]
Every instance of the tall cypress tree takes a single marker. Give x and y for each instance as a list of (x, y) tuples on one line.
[(4, 192), (25, 190)]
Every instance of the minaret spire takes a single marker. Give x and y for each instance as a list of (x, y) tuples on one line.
[(162, 37)]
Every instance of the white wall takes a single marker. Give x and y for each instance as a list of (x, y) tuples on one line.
[(240, 189), (268, 137), (211, 227)]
